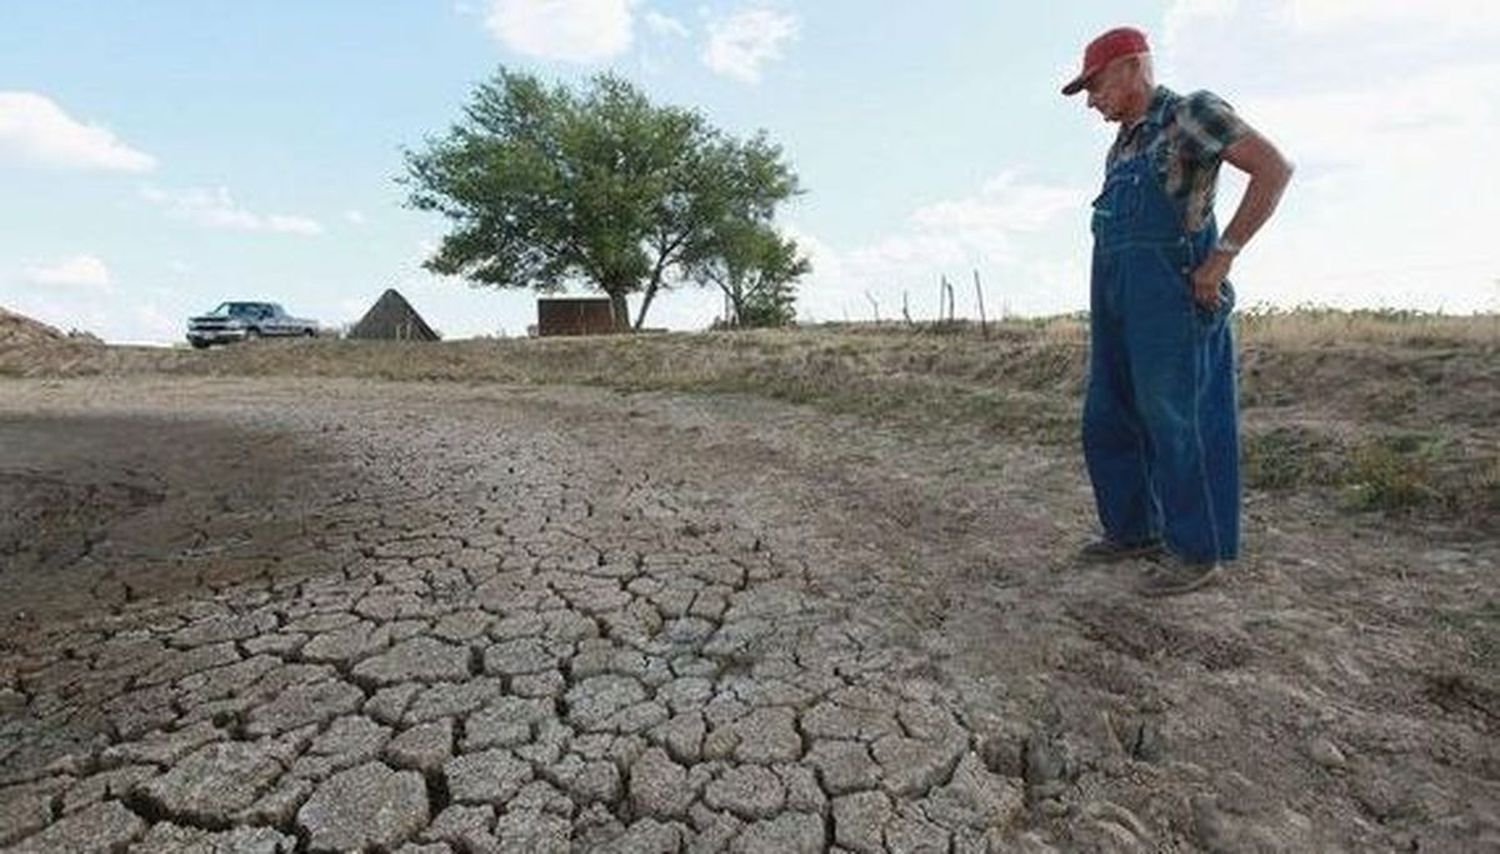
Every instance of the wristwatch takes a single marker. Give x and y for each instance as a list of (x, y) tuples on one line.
[(1227, 246)]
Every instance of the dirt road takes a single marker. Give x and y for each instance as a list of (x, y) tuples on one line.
[(332, 614)]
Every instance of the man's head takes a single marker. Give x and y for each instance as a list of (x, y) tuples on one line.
[(1117, 73)]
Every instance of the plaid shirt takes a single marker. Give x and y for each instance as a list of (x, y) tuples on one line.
[(1185, 138)]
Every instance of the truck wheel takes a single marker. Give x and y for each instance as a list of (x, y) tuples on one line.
[(310, 333), (199, 345), (251, 334)]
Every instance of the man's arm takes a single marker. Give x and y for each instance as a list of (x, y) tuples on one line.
[(1269, 174)]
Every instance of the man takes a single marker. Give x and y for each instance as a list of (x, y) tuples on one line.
[(1160, 419)]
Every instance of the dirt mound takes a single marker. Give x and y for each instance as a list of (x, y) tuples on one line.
[(18, 330)]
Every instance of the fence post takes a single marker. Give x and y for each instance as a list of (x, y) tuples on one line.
[(984, 328)]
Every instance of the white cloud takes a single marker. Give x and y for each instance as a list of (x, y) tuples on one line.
[(217, 209), (570, 30), (665, 25), (1011, 230), (1453, 16), (355, 217), (1004, 205), (1449, 19), (35, 130), (84, 271), (1183, 15), (1413, 122), (291, 224), (741, 44), (976, 229)]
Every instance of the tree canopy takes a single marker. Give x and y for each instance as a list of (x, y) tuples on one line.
[(755, 268), (544, 185)]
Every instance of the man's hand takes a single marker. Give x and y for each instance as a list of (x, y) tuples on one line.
[(1207, 278)]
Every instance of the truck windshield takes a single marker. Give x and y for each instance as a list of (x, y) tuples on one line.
[(236, 309)]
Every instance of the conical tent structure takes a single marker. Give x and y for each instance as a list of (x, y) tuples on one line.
[(392, 317)]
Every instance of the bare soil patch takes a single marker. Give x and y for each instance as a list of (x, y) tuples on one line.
[(768, 618), (180, 502)]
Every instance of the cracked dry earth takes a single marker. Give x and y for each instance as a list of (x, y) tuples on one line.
[(277, 615)]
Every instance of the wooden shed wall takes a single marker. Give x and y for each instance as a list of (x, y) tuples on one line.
[(588, 316)]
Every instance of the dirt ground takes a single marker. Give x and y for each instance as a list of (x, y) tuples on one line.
[(323, 614)]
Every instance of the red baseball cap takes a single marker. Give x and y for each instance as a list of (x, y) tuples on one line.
[(1118, 42)]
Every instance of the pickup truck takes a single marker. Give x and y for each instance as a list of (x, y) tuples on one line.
[(246, 321)]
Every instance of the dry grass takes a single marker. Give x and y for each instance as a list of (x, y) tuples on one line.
[(1394, 411), (1324, 327), (1027, 354)]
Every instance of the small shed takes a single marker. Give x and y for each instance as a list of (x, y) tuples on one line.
[(575, 316), (392, 317)]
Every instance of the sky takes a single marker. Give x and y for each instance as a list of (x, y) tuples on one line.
[(160, 156)]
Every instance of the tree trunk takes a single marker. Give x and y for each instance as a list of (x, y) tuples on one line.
[(620, 309), (734, 298), (645, 304)]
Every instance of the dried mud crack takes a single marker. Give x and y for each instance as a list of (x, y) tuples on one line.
[(285, 615)]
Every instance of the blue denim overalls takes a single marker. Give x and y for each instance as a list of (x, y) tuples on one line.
[(1160, 419)]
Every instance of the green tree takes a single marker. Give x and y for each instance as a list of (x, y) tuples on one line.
[(754, 267), (543, 186)]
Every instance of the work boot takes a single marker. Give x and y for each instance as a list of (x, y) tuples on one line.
[(1173, 577), (1109, 551)]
